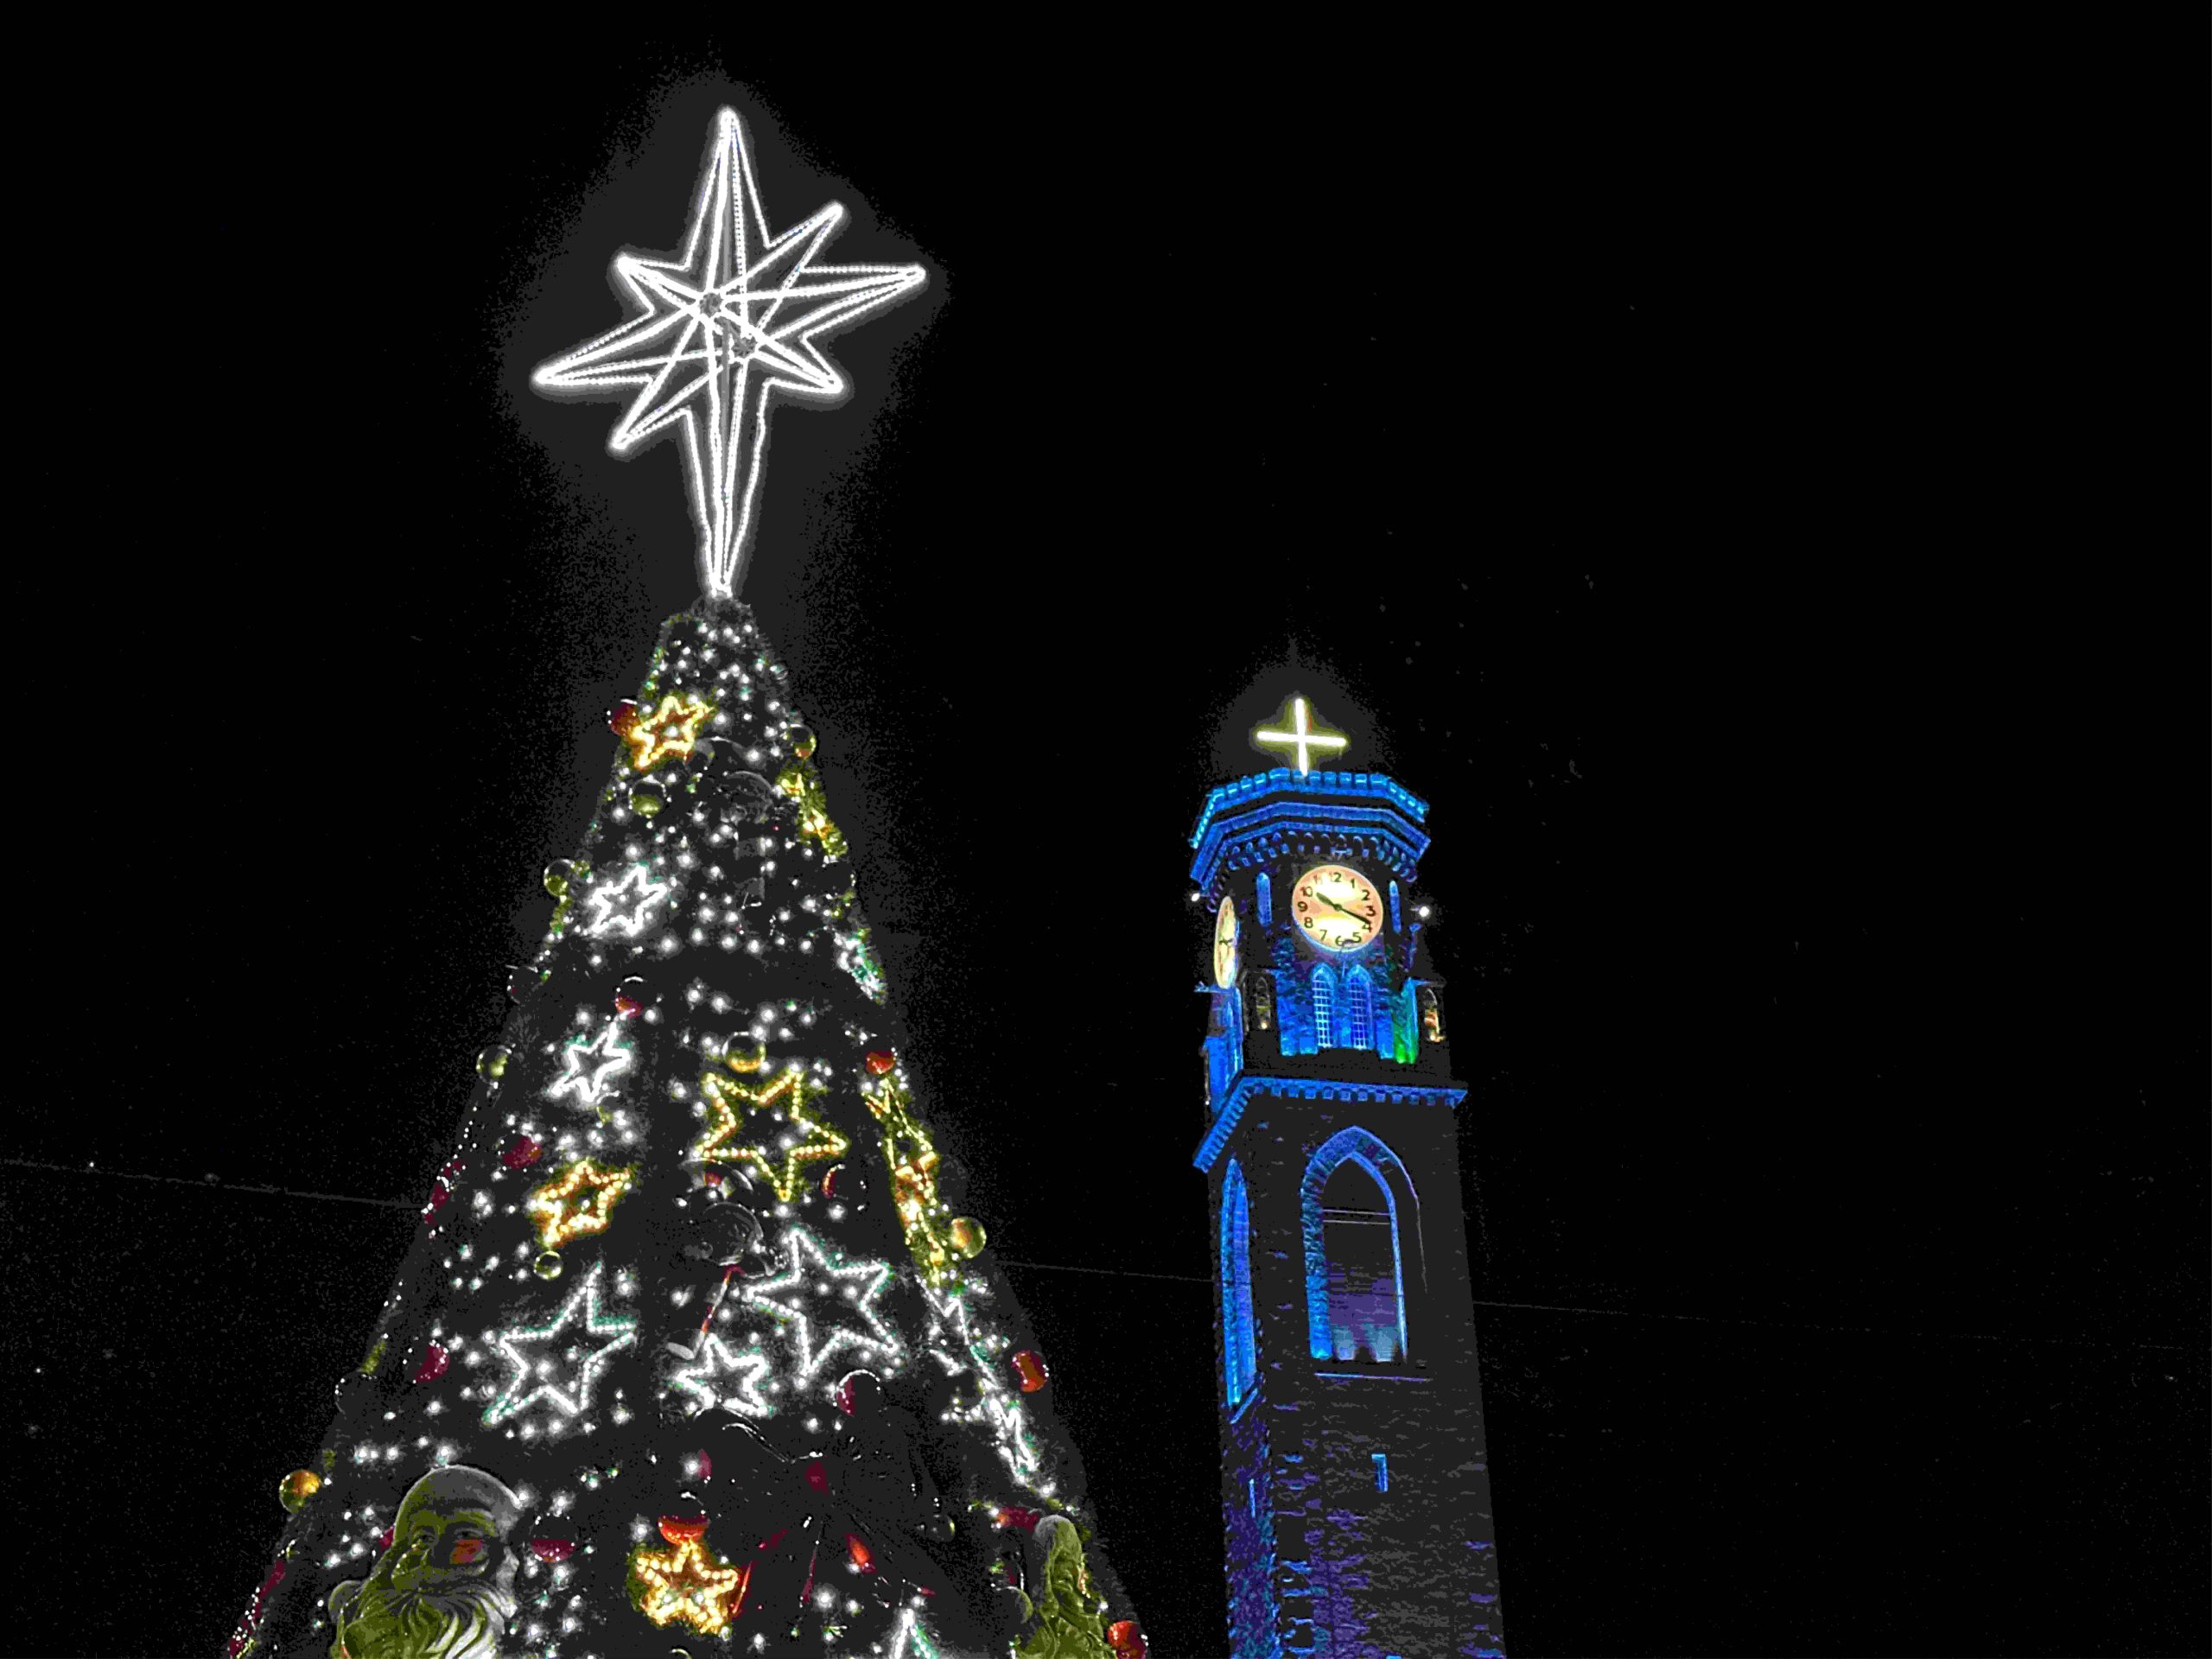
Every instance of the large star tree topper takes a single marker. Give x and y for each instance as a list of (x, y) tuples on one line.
[(722, 328)]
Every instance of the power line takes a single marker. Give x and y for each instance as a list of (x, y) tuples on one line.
[(207, 1184), (1844, 1330), (211, 1186)]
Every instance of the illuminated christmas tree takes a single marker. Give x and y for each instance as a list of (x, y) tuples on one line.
[(693, 1351)]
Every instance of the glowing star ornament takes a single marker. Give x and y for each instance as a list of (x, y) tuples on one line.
[(1300, 737), (578, 1203), (914, 1164), (720, 331), (727, 1376), (802, 784), (591, 1065), (542, 1366), (825, 1303), (783, 1157), (670, 729), (625, 906), (686, 1584)]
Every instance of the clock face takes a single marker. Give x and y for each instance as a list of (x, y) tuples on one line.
[(1224, 943), (1336, 907)]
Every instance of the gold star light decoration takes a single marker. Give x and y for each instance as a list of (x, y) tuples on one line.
[(782, 1158), (670, 729), (802, 784), (578, 1203), (913, 1159), (685, 1584)]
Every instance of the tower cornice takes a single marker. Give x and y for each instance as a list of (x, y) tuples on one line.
[(1269, 814), (1447, 1096)]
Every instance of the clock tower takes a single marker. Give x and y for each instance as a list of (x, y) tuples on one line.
[(1355, 1487)]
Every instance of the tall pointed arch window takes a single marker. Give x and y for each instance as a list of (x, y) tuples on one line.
[(1362, 1224), (1359, 1010), (1239, 1359), (1325, 1007)]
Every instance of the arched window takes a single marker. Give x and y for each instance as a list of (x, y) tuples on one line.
[(1325, 1007), (1361, 1224), (1359, 1019), (1239, 1364), (1265, 893)]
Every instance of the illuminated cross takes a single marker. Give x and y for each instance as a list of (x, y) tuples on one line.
[(1303, 737)]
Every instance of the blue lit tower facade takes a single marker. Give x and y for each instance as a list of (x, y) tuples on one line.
[(1355, 1487)]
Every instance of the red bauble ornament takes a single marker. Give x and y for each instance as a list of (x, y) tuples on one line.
[(817, 1474), (880, 1060), (553, 1539), (1030, 1365), (628, 1006), (834, 1181), (1126, 1639), (434, 1364), (857, 1553), (622, 716), (384, 1540), (706, 1465), (1021, 1520), (682, 1528), (439, 1194), (522, 1153)]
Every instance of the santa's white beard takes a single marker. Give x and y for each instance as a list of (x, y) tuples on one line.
[(457, 1621)]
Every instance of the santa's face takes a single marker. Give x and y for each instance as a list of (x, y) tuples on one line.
[(434, 1547)]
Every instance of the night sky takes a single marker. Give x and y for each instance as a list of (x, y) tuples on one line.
[(1743, 508)]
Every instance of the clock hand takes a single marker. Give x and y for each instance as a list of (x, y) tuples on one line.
[(1333, 905)]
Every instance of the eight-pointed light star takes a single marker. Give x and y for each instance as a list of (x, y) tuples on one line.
[(723, 326)]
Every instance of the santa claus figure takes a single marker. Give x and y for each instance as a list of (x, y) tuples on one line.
[(445, 1589)]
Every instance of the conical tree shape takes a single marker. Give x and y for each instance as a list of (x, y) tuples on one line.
[(693, 1351)]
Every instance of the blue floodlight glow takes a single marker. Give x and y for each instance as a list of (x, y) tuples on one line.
[(1239, 1354), (1251, 816)]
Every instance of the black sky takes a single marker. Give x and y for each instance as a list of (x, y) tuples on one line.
[(1748, 507)]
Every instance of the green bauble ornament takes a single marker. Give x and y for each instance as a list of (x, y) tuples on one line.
[(558, 874), (646, 803), (491, 1063), (802, 740), (547, 1265)]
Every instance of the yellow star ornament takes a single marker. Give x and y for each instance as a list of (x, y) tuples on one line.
[(782, 1160), (671, 728), (804, 784), (685, 1584), (577, 1203), (913, 1162)]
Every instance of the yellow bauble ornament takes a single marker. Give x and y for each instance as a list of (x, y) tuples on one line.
[(646, 803), (802, 740), (294, 1491), (547, 1265), (966, 1235), (558, 874), (491, 1063)]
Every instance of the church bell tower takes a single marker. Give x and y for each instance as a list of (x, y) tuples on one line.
[(1355, 1486)]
